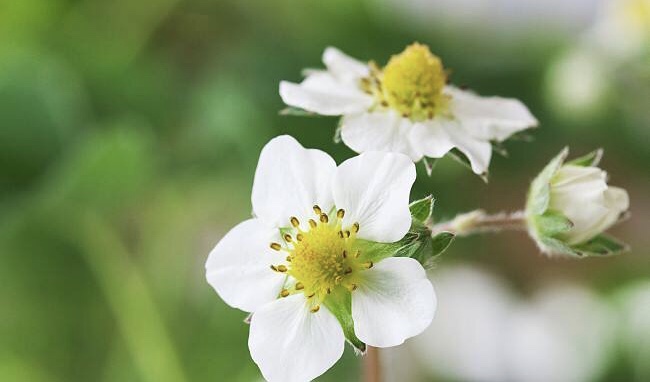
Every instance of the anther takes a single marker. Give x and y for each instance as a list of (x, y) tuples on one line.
[(340, 213), (288, 238), (341, 234), (312, 223), (284, 293), (289, 258), (299, 286), (355, 227), (299, 237), (311, 295), (294, 221), (352, 287), (329, 291), (347, 234), (324, 218), (344, 254), (368, 265), (274, 268), (315, 308), (317, 210), (283, 268), (276, 246), (356, 255), (348, 270), (338, 279)]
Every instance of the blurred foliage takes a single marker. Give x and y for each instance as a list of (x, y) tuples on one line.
[(129, 135)]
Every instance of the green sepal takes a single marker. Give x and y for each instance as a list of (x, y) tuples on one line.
[(589, 160), (440, 242), (339, 303), (558, 247), (602, 245), (298, 112), (461, 158), (552, 223), (540, 188), (422, 209)]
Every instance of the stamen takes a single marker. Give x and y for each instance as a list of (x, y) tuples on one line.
[(338, 279), (347, 234), (317, 210), (356, 255), (312, 223), (276, 246), (274, 268), (344, 254), (288, 238), (324, 218), (295, 222), (340, 213), (329, 291), (348, 270), (281, 268), (315, 308), (299, 286), (311, 295), (299, 237), (355, 227), (352, 287), (288, 258), (341, 234), (284, 293), (368, 265)]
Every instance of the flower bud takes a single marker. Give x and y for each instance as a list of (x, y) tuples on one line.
[(570, 205)]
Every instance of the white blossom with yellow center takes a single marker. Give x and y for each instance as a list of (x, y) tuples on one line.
[(306, 247), (407, 107)]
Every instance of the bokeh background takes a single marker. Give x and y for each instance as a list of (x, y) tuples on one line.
[(129, 135)]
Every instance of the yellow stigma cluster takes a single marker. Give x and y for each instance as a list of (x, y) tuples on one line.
[(412, 83), (322, 259)]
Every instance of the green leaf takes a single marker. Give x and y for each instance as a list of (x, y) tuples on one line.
[(558, 247), (298, 112), (461, 158), (422, 209), (552, 223), (539, 193), (340, 304), (440, 242), (429, 164), (602, 245), (591, 159)]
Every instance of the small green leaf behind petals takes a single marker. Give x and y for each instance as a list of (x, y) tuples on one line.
[(298, 112), (429, 164), (461, 158), (552, 223), (422, 209), (602, 245), (589, 160), (340, 305), (440, 242)]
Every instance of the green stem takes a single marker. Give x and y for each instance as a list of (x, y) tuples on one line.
[(477, 221)]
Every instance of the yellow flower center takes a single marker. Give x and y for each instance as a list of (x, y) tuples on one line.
[(323, 259), (412, 83)]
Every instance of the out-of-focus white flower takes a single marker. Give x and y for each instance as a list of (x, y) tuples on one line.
[(565, 334), (407, 107), (634, 324), (570, 205), (306, 266), (465, 340), (622, 29)]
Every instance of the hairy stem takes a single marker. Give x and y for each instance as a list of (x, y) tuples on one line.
[(371, 365), (478, 221)]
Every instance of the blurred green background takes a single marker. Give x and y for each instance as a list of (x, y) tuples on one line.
[(129, 135)]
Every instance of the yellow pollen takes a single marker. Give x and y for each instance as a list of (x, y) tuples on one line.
[(318, 259), (275, 246), (412, 84), (294, 221), (315, 308)]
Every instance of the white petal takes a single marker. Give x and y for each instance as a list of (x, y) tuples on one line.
[(431, 137), (395, 301), (289, 180), (343, 66), (379, 131), (489, 118), (238, 267), (289, 343), (478, 152), (373, 188), (324, 94)]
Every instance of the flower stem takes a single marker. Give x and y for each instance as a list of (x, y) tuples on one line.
[(475, 222), (371, 365)]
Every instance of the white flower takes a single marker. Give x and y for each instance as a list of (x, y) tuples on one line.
[(571, 204), (304, 265), (407, 107)]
